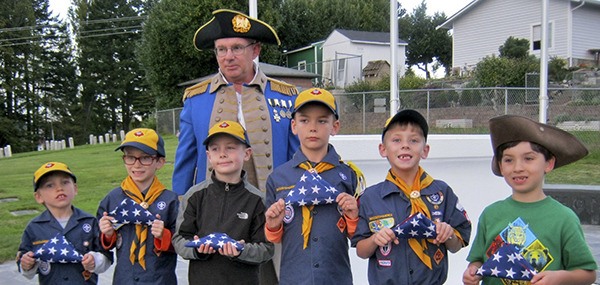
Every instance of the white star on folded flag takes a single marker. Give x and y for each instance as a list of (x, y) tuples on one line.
[(416, 226), (507, 263), (58, 250), (216, 241), (312, 190), (130, 212)]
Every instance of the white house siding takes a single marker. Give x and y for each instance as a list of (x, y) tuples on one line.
[(483, 29), (586, 35), (340, 44)]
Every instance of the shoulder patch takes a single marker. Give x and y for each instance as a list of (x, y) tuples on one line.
[(282, 87), (196, 89)]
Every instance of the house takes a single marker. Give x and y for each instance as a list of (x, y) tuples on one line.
[(375, 70), (344, 54), (481, 27), (301, 79), (308, 58)]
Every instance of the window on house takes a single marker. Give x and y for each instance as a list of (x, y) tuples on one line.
[(302, 65), (536, 36)]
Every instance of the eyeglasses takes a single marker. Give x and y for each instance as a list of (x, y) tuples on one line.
[(235, 50), (144, 160)]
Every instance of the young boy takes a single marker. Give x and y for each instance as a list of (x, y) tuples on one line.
[(547, 234), (55, 187), (408, 190), (313, 236), (224, 203), (144, 250)]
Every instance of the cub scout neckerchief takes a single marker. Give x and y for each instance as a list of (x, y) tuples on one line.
[(307, 218), (141, 231), (422, 180)]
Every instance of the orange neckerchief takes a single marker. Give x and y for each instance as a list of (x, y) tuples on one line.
[(307, 218), (422, 180), (141, 231)]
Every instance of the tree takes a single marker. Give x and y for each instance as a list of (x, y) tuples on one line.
[(111, 79), (426, 44), (514, 48)]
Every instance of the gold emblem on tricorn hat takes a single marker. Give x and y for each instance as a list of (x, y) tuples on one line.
[(240, 24)]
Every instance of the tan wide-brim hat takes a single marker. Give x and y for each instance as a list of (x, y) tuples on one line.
[(233, 24), (565, 147)]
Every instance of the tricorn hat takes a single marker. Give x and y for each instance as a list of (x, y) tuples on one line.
[(565, 147), (233, 24)]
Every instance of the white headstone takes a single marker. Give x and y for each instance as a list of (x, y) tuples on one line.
[(100, 139), (48, 145), (122, 133), (71, 142), (107, 137), (114, 138), (7, 151), (63, 144), (92, 139), (1, 152)]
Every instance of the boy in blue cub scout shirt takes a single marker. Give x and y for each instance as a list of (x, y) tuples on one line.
[(408, 190), (313, 231), (55, 187), (545, 233), (224, 203), (138, 218)]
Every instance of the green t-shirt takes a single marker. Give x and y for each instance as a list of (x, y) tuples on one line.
[(548, 234)]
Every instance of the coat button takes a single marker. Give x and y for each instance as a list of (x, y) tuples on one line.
[(221, 100), (258, 98), (269, 167), (268, 154), (263, 117), (217, 119), (316, 265), (220, 110), (265, 129), (262, 108), (267, 141)]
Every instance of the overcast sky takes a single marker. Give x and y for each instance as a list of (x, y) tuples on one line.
[(447, 6)]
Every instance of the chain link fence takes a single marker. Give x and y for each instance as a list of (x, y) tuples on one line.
[(465, 110)]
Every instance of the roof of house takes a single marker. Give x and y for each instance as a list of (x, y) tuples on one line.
[(268, 69), (319, 43), (451, 19), (368, 37)]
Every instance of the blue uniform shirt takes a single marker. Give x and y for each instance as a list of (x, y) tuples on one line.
[(384, 204), (81, 230), (325, 260)]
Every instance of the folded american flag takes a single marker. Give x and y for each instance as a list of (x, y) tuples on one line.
[(130, 212), (416, 226), (312, 190), (507, 263), (216, 241), (58, 250)]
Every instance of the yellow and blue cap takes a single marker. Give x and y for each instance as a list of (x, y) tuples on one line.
[(231, 128), (49, 167), (316, 95), (146, 140), (407, 115), (233, 24)]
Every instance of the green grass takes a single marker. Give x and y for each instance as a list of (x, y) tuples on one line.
[(99, 169)]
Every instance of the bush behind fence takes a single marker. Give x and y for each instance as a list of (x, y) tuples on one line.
[(465, 110)]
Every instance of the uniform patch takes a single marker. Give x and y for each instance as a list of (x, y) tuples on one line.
[(242, 215), (44, 267), (87, 228), (343, 176), (384, 262), (386, 249), (119, 241), (161, 205), (438, 256), (341, 224), (378, 224), (436, 198), (289, 214)]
